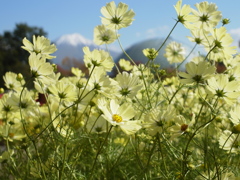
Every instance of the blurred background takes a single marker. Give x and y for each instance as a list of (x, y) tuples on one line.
[(70, 24)]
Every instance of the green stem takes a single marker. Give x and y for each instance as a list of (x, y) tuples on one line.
[(180, 87), (25, 130), (167, 38), (210, 52), (59, 115), (63, 162), (187, 56), (94, 123), (137, 153), (140, 69), (11, 158), (161, 152), (200, 111), (119, 42), (99, 151), (118, 158), (146, 88), (188, 143), (87, 82)]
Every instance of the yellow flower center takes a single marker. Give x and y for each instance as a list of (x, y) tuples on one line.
[(117, 118)]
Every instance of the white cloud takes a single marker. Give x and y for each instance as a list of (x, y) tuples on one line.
[(138, 34), (160, 31), (235, 33)]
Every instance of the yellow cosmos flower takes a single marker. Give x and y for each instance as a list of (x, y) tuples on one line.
[(234, 117), (181, 126), (63, 91), (206, 15), (150, 53), (197, 72), (97, 58), (40, 45), (11, 81), (117, 17), (102, 35), (119, 115), (175, 53), (219, 45), (157, 120), (183, 13), (125, 65), (128, 84), (229, 142), (198, 36), (39, 66), (220, 86)]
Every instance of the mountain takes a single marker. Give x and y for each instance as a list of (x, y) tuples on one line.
[(70, 51), (135, 52), (70, 46)]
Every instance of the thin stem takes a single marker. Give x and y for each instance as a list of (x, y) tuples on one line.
[(11, 158), (120, 44), (87, 82), (188, 143), (25, 130), (114, 165), (200, 111), (210, 52), (226, 140), (99, 151), (161, 152), (187, 56), (180, 87), (63, 163), (137, 154), (109, 53), (146, 88), (59, 115), (167, 38), (149, 157)]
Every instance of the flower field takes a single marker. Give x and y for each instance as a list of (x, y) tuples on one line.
[(141, 123)]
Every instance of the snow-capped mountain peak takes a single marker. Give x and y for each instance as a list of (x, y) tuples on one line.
[(73, 40), (69, 46)]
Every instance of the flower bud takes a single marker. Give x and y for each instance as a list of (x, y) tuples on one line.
[(1, 90), (150, 53), (236, 129), (225, 21), (54, 67), (19, 77)]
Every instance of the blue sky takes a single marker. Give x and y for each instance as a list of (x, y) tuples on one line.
[(153, 18)]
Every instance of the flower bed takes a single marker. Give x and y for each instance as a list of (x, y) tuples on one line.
[(141, 123)]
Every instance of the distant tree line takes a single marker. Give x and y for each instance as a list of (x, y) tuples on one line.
[(12, 56)]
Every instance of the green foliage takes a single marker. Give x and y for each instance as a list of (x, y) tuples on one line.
[(136, 125), (12, 56)]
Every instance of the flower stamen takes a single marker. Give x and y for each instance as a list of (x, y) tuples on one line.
[(117, 118)]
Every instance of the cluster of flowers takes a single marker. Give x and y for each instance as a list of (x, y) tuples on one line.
[(197, 109)]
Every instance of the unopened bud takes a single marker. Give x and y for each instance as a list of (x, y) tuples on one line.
[(1, 90), (225, 21), (150, 53), (19, 77), (236, 129), (54, 67)]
